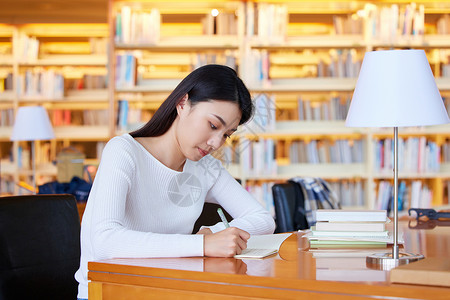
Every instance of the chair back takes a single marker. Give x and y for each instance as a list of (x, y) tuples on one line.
[(39, 247), (287, 199)]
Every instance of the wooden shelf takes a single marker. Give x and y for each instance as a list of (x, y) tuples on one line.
[(7, 96), (82, 133), (327, 171), (186, 44), (5, 133), (427, 41), (68, 60), (311, 42), (63, 30), (6, 61), (323, 84), (151, 86), (96, 98)]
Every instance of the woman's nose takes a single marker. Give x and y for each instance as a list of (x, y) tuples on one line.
[(215, 141)]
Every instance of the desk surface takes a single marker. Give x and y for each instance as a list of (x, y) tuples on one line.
[(293, 273)]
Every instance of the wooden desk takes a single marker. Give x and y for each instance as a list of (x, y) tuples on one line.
[(291, 274)]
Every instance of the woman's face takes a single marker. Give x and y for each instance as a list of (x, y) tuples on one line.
[(204, 127)]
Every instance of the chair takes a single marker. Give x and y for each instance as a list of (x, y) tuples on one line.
[(39, 247), (209, 216), (285, 202)]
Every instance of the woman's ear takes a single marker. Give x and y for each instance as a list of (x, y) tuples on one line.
[(182, 103)]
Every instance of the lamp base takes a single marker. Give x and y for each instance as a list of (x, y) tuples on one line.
[(384, 261)]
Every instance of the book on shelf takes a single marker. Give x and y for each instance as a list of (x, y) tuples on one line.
[(344, 215)]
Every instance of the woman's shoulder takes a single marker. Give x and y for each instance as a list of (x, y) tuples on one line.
[(208, 167), (124, 142)]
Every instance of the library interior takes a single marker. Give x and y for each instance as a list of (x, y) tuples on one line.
[(101, 68)]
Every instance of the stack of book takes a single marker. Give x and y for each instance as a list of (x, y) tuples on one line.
[(350, 229)]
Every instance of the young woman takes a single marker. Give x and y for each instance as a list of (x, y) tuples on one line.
[(151, 184)]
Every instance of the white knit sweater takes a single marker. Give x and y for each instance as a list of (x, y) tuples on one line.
[(138, 207)]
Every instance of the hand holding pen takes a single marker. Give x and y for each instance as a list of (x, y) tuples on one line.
[(225, 243)]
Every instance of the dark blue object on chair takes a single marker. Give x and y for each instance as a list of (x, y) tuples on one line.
[(39, 247)]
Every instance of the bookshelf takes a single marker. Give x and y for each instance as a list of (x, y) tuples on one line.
[(62, 67), (149, 61), (305, 59), (304, 69)]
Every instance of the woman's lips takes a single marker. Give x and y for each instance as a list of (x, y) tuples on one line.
[(202, 152)]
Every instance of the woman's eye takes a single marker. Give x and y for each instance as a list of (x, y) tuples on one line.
[(212, 126), (226, 136)]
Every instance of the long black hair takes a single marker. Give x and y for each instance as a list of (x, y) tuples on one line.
[(210, 82)]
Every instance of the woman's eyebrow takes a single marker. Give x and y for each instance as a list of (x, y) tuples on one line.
[(223, 122)]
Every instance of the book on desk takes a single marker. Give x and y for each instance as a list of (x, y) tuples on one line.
[(260, 246), (350, 228)]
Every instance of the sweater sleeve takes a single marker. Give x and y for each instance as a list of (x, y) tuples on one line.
[(108, 236), (247, 213)]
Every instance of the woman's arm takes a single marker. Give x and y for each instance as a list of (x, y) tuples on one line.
[(247, 213), (106, 231)]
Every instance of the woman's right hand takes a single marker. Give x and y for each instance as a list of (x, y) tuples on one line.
[(226, 243)]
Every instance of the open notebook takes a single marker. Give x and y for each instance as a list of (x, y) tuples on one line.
[(260, 246)]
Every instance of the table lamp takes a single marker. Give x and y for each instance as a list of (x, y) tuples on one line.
[(395, 88), (32, 124)]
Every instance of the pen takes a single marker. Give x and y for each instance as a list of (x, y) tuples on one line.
[(222, 217)]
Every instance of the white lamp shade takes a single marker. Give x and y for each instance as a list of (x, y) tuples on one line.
[(32, 124), (396, 88)]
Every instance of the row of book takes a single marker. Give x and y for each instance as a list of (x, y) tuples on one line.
[(27, 48), (258, 157), (129, 119), (335, 108), (7, 117), (45, 84), (388, 24), (344, 63), (126, 70), (324, 151), (350, 24), (443, 24), (446, 151), (416, 154), (6, 84), (445, 70), (415, 194), (267, 21), (222, 24), (137, 26), (264, 117), (87, 81), (263, 193), (66, 117), (349, 193), (258, 69)]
